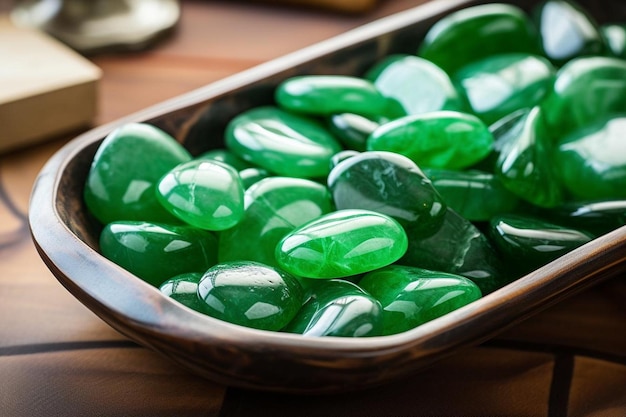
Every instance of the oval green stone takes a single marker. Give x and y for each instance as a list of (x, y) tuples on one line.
[(325, 95), (477, 32), (184, 289), (597, 217), (501, 84), (341, 244), (338, 308), (158, 252), (416, 83), (203, 193), (412, 296), (250, 294), (444, 139), (283, 143), (352, 130), (125, 170), (273, 207)]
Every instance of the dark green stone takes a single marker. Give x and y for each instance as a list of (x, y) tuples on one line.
[(352, 130), (413, 296), (184, 289), (250, 294), (158, 252), (615, 36), (273, 207), (476, 32), (387, 183), (443, 139), (528, 243), (341, 244), (125, 170), (227, 157), (281, 142), (597, 218), (338, 308)]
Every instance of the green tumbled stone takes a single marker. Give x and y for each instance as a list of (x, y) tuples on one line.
[(341, 244), (227, 157), (416, 83), (475, 195), (390, 184), (444, 139), (352, 129), (567, 31), (477, 32), (460, 248), (528, 243), (338, 308), (597, 217), (501, 84), (281, 142), (586, 90), (615, 36), (412, 296), (250, 294), (325, 95), (251, 176), (273, 207), (203, 193), (125, 170), (342, 156), (592, 161), (157, 252), (526, 166), (184, 289)]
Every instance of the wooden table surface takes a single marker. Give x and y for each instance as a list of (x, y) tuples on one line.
[(58, 359)]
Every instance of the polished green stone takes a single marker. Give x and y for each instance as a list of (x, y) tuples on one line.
[(352, 130), (527, 243), (525, 165), (340, 308), (157, 252), (390, 184), (444, 139), (567, 31), (227, 157), (203, 193), (342, 156), (412, 296), (592, 161), (184, 289), (124, 172), (615, 36), (325, 95), (501, 84), (251, 176), (250, 294), (416, 83), (586, 91), (475, 195), (273, 207), (281, 142), (460, 248), (597, 217), (477, 32), (341, 244)]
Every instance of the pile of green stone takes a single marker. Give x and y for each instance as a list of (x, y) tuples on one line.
[(368, 206)]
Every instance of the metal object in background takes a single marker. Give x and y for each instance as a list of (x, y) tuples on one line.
[(91, 26)]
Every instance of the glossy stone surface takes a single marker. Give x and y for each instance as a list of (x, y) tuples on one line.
[(597, 218), (460, 248), (390, 184), (416, 83), (567, 31), (528, 243), (250, 294), (412, 296), (341, 244), (586, 90), (615, 36), (325, 95), (338, 308), (122, 179), (273, 207), (476, 32), (227, 157), (251, 176), (444, 139), (352, 130), (592, 161), (281, 142), (475, 195), (342, 156), (184, 289), (526, 165), (158, 252), (203, 193), (501, 84)]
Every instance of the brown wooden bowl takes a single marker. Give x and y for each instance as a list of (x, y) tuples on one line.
[(67, 240)]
